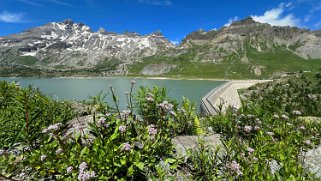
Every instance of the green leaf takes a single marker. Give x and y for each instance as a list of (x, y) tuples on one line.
[(130, 171), (114, 135), (84, 151), (170, 160), (137, 156), (140, 165), (123, 160)]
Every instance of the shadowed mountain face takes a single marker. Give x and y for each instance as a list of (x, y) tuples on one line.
[(69, 45)]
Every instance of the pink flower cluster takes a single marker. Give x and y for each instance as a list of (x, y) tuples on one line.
[(102, 122), (235, 168), (166, 106), (83, 174), (122, 129), (152, 131), (247, 129), (150, 97), (126, 147)]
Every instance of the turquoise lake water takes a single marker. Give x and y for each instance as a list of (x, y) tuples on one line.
[(82, 88)]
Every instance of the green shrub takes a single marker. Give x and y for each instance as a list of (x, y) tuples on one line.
[(24, 112)]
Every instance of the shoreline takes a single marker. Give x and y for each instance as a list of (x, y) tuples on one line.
[(129, 77), (226, 95)]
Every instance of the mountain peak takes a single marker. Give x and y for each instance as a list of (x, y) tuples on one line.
[(246, 21), (68, 22)]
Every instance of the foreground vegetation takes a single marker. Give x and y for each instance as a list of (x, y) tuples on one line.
[(264, 140)]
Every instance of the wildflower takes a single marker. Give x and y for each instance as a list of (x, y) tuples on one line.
[(296, 112), (307, 142), (270, 133), (83, 166), (59, 151), (149, 99), (257, 128), (126, 147), (43, 157), (247, 129), (133, 81), (166, 106), (250, 150), (152, 131), (257, 120), (83, 176), (108, 114), (122, 129), (275, 116), (255, 159), (235, 167), (101, 121), (69, 169), (283, 116), (301, 128)]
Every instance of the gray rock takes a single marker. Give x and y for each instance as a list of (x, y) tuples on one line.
[(312, 160), (183, 143), (274, 166), (79, 125), (157, 69)]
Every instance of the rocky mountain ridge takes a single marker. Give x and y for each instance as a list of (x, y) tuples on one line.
[(260, 36), (68, 44), (74, 46)]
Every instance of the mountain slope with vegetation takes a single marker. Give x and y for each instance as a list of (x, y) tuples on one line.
[(245, 49)]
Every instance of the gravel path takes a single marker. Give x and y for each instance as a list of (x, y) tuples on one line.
[(226, 95)]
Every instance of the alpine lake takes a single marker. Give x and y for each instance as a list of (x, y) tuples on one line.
[(82, 88)]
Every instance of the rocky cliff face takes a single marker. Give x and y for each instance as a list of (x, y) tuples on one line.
[(75, 45), (262, 37)]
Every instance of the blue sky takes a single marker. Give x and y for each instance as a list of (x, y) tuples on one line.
[(175, 18)]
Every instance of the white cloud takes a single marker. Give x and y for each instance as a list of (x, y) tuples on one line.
[(276, 16), (60, 2), (157, 2), (32, 3), (231, 20), (317, 25), (11, 17)]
